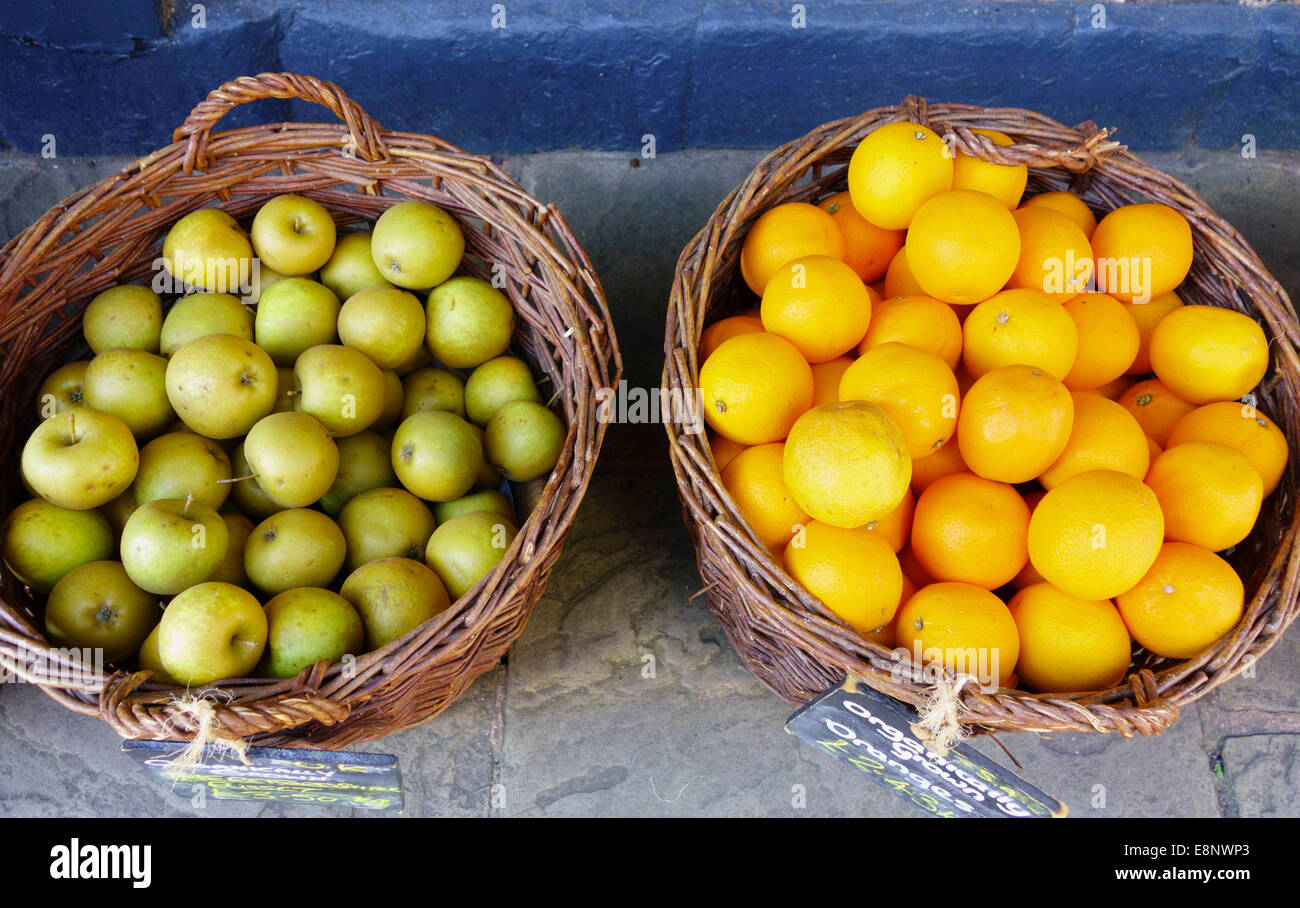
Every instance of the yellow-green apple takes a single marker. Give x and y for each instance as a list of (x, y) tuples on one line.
[(231, 568), (394, 596), (294, 547), (295, 314), (221, 385), (210, 632), (339, 386), (293, 457), (469, 322), (495, 383), (436, 455), (170, 544), (132, 385), (489, 500), (63, 389), (127, 315), (246, 492), (385, 523), (393, 401), (208, 249), (416, 245), (151, 661), (182, 463), (80, 459), (43, 541), (384, 323), (293, 234), (433, 389), (307, 625), (464, 549), (199, 314), (96, 606), (351, 268), (119, 511), (524, 440), (264, 277), (365, 462)]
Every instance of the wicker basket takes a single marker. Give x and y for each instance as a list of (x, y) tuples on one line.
[(788, 638), (110, 233)]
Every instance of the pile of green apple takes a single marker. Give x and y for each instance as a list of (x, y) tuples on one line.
[(235, 488)]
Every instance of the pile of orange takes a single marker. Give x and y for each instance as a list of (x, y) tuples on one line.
[(974, 423)]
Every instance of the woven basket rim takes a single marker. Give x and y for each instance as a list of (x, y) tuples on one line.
[(788, 638)]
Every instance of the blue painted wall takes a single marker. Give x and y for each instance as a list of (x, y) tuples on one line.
[(118, 77)]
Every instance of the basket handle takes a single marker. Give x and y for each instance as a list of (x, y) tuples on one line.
[(366, 133)]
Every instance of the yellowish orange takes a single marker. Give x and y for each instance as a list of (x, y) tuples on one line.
[(1239, 426), (783, 233), (1147, 315), (899, 279), (915, 389), (754, 387), (1054, 254), (818, 304), (1156, 408), (894, 170), (1005, 182), (1142, 251), (896, 526), (868, 249), (1210, 494), (1108, 340), (1068, 644), (725, 329), (1014, 422), (1029, 575), (943, 462), (962, 246), (1096, 534), (1104, 436), (854, 572), (1019, 327), (1205, 354), (826, 380), (1188, 599), (724, 449), (918, 321), (965, 627), (754, 481), (1068, 204), (971, 529)]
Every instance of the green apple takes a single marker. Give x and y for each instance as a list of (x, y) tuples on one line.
[(339, 386), (127, 315), (208, 249), (293, 457), (495, 383), (420, 360), (286, 393), (63, 389), (351, 268), (293, 234), (365, 462), (182, 463), (385, 523), (132, 385), (42, 541), (170, 544), (524, 440), (151, 660), (231, 568), (436, 455), (394, 596), (384, 323), (488, 476), (293, 315), (200, 314), (210, 632), (393, 401), (433, 389), (469, 322), (465, 549), (246, 492), (264, 277), (416, 245), (489, 500), (307, 625), (96, 606), (292, 548), (80, 459), (221, 385), (119, 511)]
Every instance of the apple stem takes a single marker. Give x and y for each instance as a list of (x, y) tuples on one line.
[(554, 398), (72, 425), (239, 478), (188, 500)]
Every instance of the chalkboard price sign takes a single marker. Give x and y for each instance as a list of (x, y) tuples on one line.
[(287, 776), (873, 733)]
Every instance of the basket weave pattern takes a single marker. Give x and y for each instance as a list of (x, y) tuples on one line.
[(111, 233), (788, 638)]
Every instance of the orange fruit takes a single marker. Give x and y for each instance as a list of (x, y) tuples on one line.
[(1108, 340), (1142, 251), (1054, 254), (1156, 408), (915, 389), (1154, 448), (1104, 436), (1147, 315), (1242, 427), (784, 233), (1014, 422), (1210, 494), (1113, 389), (1068, 644), (1005, 182), (971, 529), (724, 449), (894, 169), (818, 304), (725, 329), (899, 279), (1029, 575), (1096, 534), (868, 249), (943, 462), (846, 464), (896, 526), (1068, 204), (854, 572), (1022, 326), (754, 481), (754, 387), (918, 321), (1188, 599), (1204, 353), (826, 380), (965, 627), (962, 246), (912, 569)]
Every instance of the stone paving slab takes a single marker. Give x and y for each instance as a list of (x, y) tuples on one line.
[(1264, 774)]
